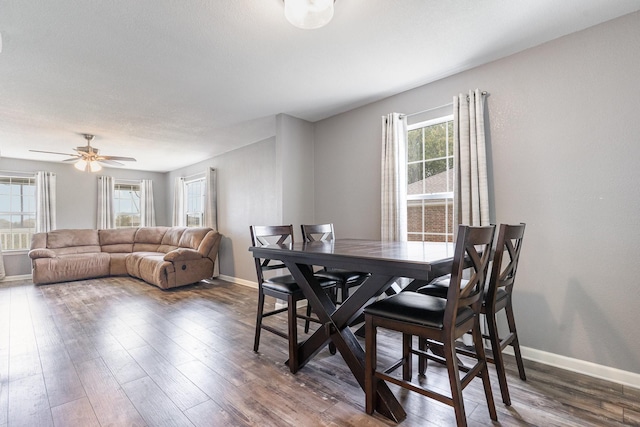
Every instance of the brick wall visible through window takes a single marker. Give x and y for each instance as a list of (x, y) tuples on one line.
[(434, 221), (430, 176)]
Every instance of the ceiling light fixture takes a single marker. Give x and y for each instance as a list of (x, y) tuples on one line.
[(86, 166), (308, 14)]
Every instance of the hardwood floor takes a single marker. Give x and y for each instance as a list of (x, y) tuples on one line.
[(117, 351)]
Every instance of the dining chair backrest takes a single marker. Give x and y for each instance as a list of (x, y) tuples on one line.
[(472, 254), (262, 235), (317, 232), (509, 243)]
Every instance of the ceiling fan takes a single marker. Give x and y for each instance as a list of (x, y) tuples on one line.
[(87, 157)]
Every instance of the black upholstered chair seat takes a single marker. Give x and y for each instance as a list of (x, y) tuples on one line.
[(413, 307), (287, 284), (440, 287)]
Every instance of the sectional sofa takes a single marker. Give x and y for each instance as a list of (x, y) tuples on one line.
[(162, 256)]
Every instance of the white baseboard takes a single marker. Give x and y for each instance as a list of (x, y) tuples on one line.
[(591, 369), (238, 281)]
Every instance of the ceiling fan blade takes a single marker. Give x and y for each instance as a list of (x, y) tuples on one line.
[(51, 152), (72, 159), (124, 159), (109, 162)]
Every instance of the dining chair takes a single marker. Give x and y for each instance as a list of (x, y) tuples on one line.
[(498, 297), (345, 278), (283, 287), (442, 320)]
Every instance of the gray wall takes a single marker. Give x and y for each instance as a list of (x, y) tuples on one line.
[(294, 139), (246, 185), (77, 198), (563, 140), (266, 183)]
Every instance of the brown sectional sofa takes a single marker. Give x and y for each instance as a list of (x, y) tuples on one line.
[(162, 256)]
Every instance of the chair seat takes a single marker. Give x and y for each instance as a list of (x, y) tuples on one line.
[(287, 284), (440, 287), (342, 276), (416, 308)]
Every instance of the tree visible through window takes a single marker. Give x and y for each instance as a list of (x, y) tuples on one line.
[(17, 211), (430, 176), (126, 200)]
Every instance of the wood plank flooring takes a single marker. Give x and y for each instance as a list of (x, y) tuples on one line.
[(116, 351)]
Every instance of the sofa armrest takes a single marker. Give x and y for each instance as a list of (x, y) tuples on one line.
[(41, 253), (182, 254)]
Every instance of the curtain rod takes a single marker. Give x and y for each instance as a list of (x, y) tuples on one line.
[(483, 93), (426, 111), (195, 175), (136, 181)]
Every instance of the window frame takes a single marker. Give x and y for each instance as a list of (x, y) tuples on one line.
[(196, 213), (116, 204), (29, 180), (447, 197)]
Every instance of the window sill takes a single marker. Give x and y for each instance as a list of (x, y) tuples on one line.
[(10, 252)]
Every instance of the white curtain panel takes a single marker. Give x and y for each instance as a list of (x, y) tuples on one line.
[(211, 200), (211, 208), (471, 190), (394, 178), (178, 219), (106, 216), (3, 273), (45, 201), (147, 208)]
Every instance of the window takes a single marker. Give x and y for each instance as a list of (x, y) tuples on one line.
[(194, 202), (17, 211), (430, 176), (126, 204)]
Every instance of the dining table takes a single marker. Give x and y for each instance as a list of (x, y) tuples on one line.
[(393, 267)]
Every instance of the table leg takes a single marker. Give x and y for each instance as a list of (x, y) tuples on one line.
[(336, 328)]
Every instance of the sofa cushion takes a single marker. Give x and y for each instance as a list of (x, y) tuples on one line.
[(151, 267), (39, 240), (192, 237), (66, 242), (210, 244), (72, 238), (118, 264), (133, 260), (171, 239), (148, 239), (70, 267), (117, 240)]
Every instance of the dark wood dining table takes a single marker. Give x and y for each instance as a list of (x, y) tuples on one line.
[(416, 262)]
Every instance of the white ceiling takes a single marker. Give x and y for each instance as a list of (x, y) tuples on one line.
[(172, 83)]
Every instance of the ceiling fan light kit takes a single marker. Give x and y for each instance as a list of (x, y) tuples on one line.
[(308, 14), (86, 166), (87, 158)]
